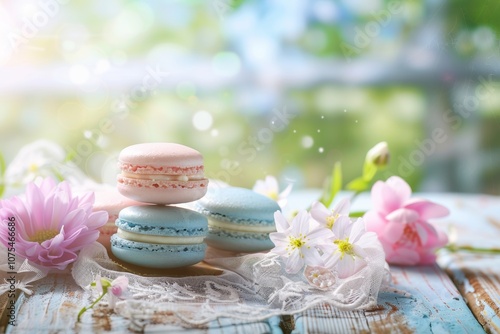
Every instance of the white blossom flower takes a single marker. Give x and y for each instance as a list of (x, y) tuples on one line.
[(296, 241), (327, 217), (269, 187), (353, 245), (33, 160), (41, 159)]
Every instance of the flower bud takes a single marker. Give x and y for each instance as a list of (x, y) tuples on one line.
[(379, 154)]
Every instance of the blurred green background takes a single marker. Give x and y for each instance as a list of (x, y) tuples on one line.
[(260, 87)]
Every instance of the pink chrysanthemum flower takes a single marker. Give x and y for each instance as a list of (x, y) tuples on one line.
[(51, 224)]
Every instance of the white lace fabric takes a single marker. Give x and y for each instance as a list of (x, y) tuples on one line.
[(251, 287)]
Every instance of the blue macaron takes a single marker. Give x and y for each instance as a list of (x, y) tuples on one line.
[(157, 236), (239, 219)]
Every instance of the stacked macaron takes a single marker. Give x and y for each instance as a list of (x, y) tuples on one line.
[(239, 219), (160, 235)]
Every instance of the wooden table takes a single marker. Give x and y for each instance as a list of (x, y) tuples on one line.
[(459, 294)]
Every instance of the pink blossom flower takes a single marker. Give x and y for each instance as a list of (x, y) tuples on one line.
[(297, 242), (51, 224), (118, 288), (269, 187), (402, 223)]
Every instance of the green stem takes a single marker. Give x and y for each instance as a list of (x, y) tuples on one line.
[(86, 308), (357, 214), (454, 248)]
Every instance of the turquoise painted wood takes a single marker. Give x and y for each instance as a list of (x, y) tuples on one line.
[(435, 306)]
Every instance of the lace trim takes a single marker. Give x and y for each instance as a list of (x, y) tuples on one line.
[(250, 287)]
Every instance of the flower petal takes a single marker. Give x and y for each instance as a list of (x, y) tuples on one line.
[(286, 192), (384, 198), (427, 209), (400, 187), (374, 222), (319, 212), (403, 216), (281, 223), (294, 263), (403, 256), (343, 207), (393, 231)]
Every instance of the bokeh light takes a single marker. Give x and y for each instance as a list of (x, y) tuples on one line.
[(226, 64), (120, 72), (202, 120)]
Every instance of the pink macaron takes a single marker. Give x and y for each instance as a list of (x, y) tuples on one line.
[(161, 173), (111, 201)]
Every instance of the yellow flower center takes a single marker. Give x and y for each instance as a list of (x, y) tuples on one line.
[(296, 243), (272, 195), (344, 247), (33, 168), (330, 220), (41, 236)]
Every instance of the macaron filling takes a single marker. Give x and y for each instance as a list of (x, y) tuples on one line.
[(120, 243), (167, 177), (164, 184), (167, 170), (219, 224), (159, 239)]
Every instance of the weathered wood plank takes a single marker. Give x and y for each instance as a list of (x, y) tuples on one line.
[(53, 308), (479, 283), (56, 301), (5, 308), (435, 306), (476, 223), (221, 326)]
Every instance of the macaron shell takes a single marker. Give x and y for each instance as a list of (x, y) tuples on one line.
[(238, 205), (238, 242), (161, 155), (173, 193), (162, 221), (156, 255)]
